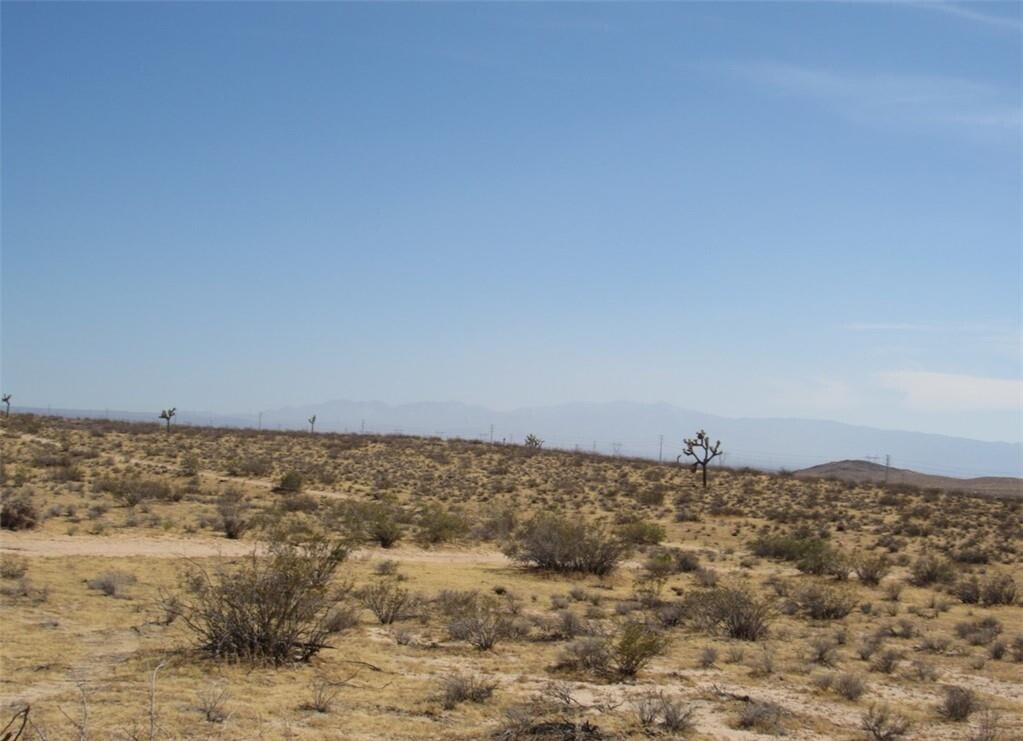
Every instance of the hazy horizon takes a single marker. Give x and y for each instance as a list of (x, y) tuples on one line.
[(751, 210)]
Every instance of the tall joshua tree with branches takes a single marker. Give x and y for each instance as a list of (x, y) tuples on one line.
[(700, 449), (166, 414), (312, 424), (6, 399)]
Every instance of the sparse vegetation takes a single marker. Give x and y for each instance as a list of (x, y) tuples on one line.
[(839, 585)]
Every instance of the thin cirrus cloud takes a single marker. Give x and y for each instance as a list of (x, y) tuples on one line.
[(960, 10), (893, 99), (952, 392)]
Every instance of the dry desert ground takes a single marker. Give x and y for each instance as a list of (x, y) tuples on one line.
[(446, 589)]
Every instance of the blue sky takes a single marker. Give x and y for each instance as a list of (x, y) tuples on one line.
[(751, 209)]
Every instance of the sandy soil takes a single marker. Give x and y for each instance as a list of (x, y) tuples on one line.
[(33, 544)]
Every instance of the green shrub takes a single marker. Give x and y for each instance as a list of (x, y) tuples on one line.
[(291, 483), (438, 525), (635, 646), (734, 612), (377, 522), (824, 602), (559, 544), (641, 532), (929, 569)]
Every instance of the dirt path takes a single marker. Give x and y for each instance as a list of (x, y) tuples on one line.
[(33, 544)]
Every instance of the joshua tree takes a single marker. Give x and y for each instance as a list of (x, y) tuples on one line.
[(167, 414), (6, 399), (312, 423), (532, 441), (700, 448)]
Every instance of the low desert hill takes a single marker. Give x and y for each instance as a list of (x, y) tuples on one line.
[(867, 471)]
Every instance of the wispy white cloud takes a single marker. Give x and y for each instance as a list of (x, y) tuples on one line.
[(911, 100), (976, 328), (951, 392), (889, 327), (962, 10)]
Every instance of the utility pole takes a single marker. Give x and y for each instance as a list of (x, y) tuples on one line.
[(660, 449), (260, 427), (362, 429), (491, 434), (887, 465)]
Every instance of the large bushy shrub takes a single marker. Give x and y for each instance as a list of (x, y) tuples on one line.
[(273, 608), (559, 544)]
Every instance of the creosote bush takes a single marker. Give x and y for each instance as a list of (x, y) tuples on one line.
[(559, 544), (930, 569), (459, 688), (958, 704), (291, 483), (635, 646), (731, 611), (17, 512), (273, 608), (388, 601), (882, 724)]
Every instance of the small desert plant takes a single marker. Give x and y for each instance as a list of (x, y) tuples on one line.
[(112, 583), (388, 601), (587, 654), (979, 632), (886, 661), (733, 612), (989, 727), (438, 525), (761, 716), (322, 694), (871, 569), (823, 602), (674, 717), (213, 703), (482, 625), (290, 483), (459, 688), (882, 724), (822, 651), (13, 567), (232, 508), (641, 532), (373, 521), (930, 569), (958, 704), (999, 589), (849, 686), (635, 646)]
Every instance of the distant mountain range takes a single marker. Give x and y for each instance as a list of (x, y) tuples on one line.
[(632, 429)]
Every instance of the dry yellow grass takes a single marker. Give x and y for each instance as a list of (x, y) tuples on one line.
[(64, 639)]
